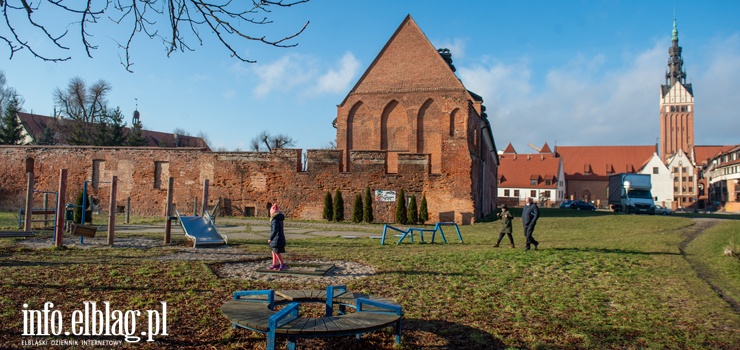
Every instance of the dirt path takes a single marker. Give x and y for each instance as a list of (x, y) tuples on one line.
[(700, 225)]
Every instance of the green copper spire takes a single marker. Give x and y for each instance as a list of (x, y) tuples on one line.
[(675, 30)]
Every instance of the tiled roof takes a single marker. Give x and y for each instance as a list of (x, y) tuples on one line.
[(596, 162), (509, 149), (545, 148), (705, 154), (35, 125), (517, 170)]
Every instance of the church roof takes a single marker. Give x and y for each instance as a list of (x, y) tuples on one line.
[(597, 162), (409, 62)]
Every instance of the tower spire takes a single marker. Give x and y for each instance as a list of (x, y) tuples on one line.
[(675, 72)]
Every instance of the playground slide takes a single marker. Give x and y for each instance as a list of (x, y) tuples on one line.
[(201, 230)]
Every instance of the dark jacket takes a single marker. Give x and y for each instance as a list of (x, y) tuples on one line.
[(277, 235), (506, 219), (530, 214)]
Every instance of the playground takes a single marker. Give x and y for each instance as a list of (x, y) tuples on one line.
[(585, 287)]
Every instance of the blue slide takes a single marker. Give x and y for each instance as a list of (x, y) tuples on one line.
[(201, 230)]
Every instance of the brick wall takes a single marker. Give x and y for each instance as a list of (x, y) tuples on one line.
[(243, 179)]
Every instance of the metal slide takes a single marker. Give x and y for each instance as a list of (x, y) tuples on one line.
[(201, 230)]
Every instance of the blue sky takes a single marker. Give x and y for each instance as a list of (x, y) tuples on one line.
[(562, 72)]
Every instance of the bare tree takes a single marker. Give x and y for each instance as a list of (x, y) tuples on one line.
[(86, 107), (266, 142), (178, 23)]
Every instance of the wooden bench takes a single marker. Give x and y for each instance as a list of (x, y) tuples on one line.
[(84, 231), (254, 310), (16, 234)]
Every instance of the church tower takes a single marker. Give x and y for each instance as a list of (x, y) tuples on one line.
[(676, 105)]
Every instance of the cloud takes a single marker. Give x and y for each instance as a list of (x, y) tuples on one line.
[(337, 81), (716, 119), (306, 75), (285, 74), (588, 100), (456, 46)]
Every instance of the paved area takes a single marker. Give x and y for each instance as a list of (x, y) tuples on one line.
[(260, 229)]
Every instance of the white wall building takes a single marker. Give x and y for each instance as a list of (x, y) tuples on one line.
[(661, 179)]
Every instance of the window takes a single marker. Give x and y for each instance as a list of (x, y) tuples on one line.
[(675, 179), (675, 189), (533, 193), (506, 193), (516, 193), (691, 178), (655, 170), (691, 189), (675, 169), (548, 182), (683, 179), (533, 182), (683, 170)]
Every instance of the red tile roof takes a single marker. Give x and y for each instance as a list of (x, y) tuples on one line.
[(598, 161), (517, 170), (509, 149), (35, 125), (704, 154)]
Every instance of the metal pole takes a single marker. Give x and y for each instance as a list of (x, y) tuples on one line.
[(46, 207), (128, 209), (168, 215), (59, 228), (84, 207), (29, 202), (205, 198), (112, 210)]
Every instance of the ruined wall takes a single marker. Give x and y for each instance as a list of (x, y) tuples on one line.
[(246, 181)]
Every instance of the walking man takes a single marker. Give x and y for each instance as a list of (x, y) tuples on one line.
[(530, 214)]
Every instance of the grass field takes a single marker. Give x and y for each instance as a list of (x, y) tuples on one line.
[(598, 281)]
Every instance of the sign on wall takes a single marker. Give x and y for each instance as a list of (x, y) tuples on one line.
[(385, 196)]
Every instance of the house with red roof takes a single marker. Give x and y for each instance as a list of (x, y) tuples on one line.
[(538, 175), (35, 125)]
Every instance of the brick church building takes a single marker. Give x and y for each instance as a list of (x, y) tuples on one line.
[(409, 123)]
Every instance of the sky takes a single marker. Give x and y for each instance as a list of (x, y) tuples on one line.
[(569, 73)]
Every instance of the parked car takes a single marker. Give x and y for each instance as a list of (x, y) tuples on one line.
[(659, 209), (582, 205), (566, 204)]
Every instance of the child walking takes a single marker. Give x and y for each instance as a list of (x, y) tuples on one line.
[(506, 219), (277, 238)]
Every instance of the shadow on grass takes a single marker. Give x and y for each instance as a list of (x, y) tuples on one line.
[(455, 335), (611, 251), (419, 273)]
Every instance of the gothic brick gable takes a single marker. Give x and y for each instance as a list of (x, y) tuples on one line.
[(408, 62)]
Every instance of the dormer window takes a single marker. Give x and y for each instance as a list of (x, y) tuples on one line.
[(533, 182)]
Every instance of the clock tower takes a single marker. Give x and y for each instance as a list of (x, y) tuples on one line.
[(676, 105)]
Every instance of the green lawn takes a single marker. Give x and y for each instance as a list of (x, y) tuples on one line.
[(599, 281)]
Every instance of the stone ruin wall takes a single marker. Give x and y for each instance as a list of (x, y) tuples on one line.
[(245, 181)]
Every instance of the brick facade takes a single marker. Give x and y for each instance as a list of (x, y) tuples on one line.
[(408, 123)]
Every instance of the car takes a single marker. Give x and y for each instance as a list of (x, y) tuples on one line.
[(582, 205), (659, 209), (566, 204)]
